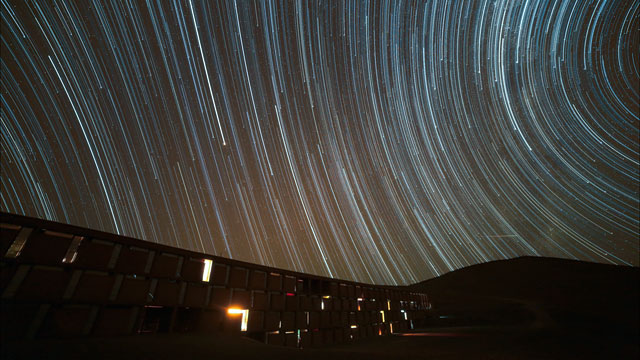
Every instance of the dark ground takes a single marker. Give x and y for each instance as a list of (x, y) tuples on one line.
[(445, 343), (526, 308)]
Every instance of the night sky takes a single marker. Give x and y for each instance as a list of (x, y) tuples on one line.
[(385, 142)]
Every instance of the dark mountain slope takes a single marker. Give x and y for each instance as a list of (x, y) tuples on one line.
[(545, 292)]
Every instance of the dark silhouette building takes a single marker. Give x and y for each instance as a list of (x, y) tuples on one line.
[(65, 281)]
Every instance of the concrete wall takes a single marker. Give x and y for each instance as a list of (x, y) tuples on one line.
[(59, 280)]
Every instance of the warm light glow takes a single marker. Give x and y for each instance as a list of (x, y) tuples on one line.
[(326, 297), (382, 313), (245, 316), (389, 305), (354, 326), (206, 271), (391, 327)]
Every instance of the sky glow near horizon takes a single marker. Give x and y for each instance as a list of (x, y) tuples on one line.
[(385, 142)]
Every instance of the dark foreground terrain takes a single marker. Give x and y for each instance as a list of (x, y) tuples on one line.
[(445, 343), (525, 308)]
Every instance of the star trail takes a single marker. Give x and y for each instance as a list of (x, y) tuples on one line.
[(379, 141)]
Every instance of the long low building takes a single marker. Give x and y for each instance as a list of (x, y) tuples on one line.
[(60, 280)]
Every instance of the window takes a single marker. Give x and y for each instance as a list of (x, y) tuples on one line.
[(206, 271), (72, 252), (245, 317), (18, 243)]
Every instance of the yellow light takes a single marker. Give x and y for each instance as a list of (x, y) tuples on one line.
[(245, 316), (354, 326), (206, 271), (391, 326), (389, 305), (326, 297), (382, 312)]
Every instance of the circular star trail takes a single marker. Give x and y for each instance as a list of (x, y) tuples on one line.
[(385, 141)]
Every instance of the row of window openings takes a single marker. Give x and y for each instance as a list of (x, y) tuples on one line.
[(244, 321), (72, 253)]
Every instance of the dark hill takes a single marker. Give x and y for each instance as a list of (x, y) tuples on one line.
[(546, 292)]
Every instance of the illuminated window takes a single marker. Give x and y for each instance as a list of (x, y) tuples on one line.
[(206, 271), (72, 252), (382, 313), (18, 243), (354, 326), (245, 317), (404, 314), (321, 304), (359, 301), (391, 328), (389, 305)]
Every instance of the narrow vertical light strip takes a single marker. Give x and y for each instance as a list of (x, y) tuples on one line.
[(245, 320), (206, 271)]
